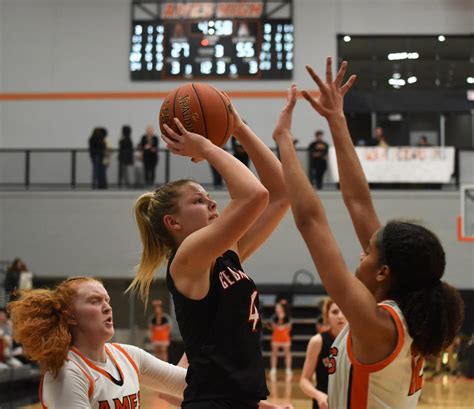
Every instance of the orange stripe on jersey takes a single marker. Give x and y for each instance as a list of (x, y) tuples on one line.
[(358, 388), (100, 370), (382, 364), (127, 355), (89, 378)]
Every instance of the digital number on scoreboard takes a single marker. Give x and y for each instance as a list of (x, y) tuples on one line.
[(212, 40)]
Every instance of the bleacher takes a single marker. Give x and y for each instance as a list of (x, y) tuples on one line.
[(14, 379)]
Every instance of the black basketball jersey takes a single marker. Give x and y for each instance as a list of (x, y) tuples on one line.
[(322, 375), (221, 335)]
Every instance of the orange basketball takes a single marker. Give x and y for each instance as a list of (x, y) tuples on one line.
[(201, 109)]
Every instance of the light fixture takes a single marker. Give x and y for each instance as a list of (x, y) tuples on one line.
[(397, 82), (396, 75), (412, 80), (470, 80), (347, 38), (403, 56), (441, 38)]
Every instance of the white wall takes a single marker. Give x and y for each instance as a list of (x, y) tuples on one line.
[(82, 45), (94, 233)]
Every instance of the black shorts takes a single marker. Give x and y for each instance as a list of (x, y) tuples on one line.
[(220, 404)]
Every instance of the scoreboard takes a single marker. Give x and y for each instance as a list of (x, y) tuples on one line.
[(212, 40)]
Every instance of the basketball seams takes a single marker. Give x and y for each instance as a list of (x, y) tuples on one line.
[(201, 108), (227, 115), (174, 110)]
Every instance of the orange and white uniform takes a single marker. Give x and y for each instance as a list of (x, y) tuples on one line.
[(82, 383), (160, 331), (281, 331), (393, 383)]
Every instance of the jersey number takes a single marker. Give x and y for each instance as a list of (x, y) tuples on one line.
[(416, 382), (253, 311), (332, 360)]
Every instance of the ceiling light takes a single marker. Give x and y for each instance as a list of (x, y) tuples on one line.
[(412, 80), (441, 38), (396, 82), (403, 56), (396, 75), (395, 117), (470, 80), (347, 38)]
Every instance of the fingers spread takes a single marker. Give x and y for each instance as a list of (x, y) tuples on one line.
[(347, 86), (315, 77), (340, 74), (312, 101)]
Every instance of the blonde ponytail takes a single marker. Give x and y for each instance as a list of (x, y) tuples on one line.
[(156, 240), (154, 251)]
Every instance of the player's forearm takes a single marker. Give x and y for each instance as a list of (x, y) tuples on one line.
[(308, 388), (266, 163), (352, 179), (304, 204)]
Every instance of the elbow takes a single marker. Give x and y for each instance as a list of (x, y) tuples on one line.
[(260, 198)]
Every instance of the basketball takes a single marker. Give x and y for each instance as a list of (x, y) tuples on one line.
[(201, 109)]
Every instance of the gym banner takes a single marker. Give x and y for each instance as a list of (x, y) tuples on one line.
[(402, 164)]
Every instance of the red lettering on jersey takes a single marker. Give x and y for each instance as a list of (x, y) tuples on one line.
[(416, 383), (332, 360), (103, 404), (133, 400), (125, 404)]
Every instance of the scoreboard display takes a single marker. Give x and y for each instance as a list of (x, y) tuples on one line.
[(212, 40)]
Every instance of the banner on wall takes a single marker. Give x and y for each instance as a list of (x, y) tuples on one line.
[(402, 164)]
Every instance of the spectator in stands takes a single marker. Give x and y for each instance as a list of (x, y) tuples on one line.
[(138, 168), (423, 142), (125, 156), (18, 277), (281, 338), (149, 147), (6, 341), (216, 178), (159, 327), (97, 150), (239, 151), (317, 356), (318, 159), (380, 139)]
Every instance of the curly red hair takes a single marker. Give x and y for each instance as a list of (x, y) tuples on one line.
[(40, 323)]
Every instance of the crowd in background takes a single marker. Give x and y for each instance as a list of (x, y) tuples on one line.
[(17, 277), (137, 163)]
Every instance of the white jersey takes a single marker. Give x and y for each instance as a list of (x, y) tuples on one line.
[(394, 383), (82, 383)]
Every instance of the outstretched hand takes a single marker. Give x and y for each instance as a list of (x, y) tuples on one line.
[(185, 144), (283, 126), (331, 99)]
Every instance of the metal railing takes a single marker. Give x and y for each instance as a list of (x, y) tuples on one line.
[(70, 169), (65, 169)]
